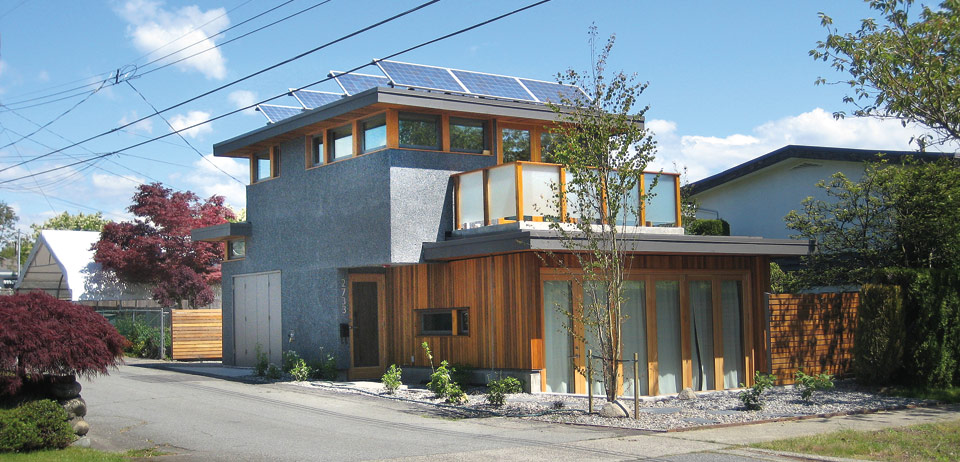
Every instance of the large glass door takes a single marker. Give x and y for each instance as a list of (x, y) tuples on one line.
[(557, 341), (669, 358)]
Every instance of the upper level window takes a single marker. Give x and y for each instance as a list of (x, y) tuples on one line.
[(316, 152), (419, 131), (236, 249), (548, 145), (341, 145), (516, 144), (468, 135), (374, 132), (266, 164)]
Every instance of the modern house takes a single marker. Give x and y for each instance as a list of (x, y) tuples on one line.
[(756, 195), (410, 208)]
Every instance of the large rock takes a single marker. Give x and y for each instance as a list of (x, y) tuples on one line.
[(614, 409), (687, 393), (65, 390), (80, 426), (75, 407)]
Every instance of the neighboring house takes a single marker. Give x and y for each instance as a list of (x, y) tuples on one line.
[(389, 216), (61, 264), (756, 195)]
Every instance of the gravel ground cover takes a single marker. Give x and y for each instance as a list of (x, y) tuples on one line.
[(657, 414)]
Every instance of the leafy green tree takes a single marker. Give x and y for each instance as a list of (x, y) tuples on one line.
[(905, 67), (605, 147), (895, 216), (8, 232)]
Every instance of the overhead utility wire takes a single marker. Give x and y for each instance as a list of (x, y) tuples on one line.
[(144, 98), (54, 119), (234, 82), (452, 34)]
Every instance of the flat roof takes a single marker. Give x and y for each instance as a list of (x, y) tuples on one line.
[(805, 152)]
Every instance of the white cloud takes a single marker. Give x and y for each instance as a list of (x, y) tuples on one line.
[(243, 98), (144, 126), (115, 186), (151, 26), (207, 180), (43, 76), (181, 121), (706, 155)]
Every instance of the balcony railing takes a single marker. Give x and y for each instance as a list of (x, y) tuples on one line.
[(524, 191)]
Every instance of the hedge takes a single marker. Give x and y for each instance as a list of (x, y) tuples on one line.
[(708, 228)]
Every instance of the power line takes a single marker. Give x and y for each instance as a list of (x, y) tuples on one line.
[(393, 55), (248, 76), (54, 119)]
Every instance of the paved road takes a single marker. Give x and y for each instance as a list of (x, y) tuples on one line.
[(203, 418)]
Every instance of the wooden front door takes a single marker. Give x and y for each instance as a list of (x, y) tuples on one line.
[(366, 326)]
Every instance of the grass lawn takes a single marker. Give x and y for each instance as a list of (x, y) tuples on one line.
[(937, 442), (946, 395), (72, 454)]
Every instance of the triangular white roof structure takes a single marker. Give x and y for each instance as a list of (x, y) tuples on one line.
[(61, 264)]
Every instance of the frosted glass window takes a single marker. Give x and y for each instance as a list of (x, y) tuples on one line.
[(662, 206), (731, 303), (634, 335), (577, 208), (515, 144), (701, 334), (630, 208), (503, 192), (594, 298), (668, 337), (557, 341), (539, 183), (471, 200)]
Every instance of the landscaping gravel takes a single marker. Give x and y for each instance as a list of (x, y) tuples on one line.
[(657, 413)]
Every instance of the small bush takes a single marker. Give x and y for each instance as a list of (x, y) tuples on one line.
[(289, 360), (498, 390), (325, 369), (708, 228), (144, 339), (752, 398), (808, 384), (274, 372), (260, 367), (455, 395), (301, 371), (392, 379), (440, 380), (38, 424), (461, 375)]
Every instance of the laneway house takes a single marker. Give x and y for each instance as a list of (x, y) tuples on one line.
[(405, 210)]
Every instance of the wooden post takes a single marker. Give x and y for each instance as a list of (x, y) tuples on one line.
[(589, 382), (636, 385)]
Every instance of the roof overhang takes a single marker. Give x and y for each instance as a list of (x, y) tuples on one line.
[(660, 244), (223, 232)]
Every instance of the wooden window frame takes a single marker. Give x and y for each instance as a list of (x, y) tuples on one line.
[(330, 141), (360, 127), (487, 128), (273, 156), (308, 150), (454, 313), (440, 131), (226, 249)]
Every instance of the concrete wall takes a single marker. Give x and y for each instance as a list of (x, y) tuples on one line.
[(312, 225), (755, 204)]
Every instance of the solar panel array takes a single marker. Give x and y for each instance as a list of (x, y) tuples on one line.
[(430, 78)]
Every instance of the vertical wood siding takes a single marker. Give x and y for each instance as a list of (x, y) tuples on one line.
[(197, 334), (812, 331)]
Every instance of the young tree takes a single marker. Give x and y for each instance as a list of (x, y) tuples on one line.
[(601, 140), (156, 248), (901, 69)]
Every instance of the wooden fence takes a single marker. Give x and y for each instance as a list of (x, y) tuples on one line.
[(813, 332), (197, 334)]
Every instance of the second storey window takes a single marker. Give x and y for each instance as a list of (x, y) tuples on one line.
[(236, 249), (374, 133), (516, 144), (341, 144), (316, 153), (419, 131), (468, 135), (265, 165), (548, 145)]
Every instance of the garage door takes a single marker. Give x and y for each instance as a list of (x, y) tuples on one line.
[(256, 317)]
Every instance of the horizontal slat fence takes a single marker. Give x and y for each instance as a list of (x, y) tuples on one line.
[(197, 334), (812, 331)]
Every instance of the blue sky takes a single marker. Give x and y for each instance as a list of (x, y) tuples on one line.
[(728, 80)]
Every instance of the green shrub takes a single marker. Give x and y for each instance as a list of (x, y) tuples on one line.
[(38, 424), (752, 398), (274, 372), (325, 369), (144, 339), (455, 395), (461, 374), (708, 228), (878, 340), (440, 380), (301, 371), (808, 384), (260, 367), (392, 379), (498, 390), (289, 360)]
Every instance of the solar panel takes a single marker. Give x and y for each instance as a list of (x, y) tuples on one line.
[(418, 76), (354, 83), (552, 92), (277, 113), (311, 99), (497, 86)]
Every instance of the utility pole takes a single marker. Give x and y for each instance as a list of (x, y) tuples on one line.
[(18, 254)]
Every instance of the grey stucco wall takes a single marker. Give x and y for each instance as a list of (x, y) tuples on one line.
[(312, 225)]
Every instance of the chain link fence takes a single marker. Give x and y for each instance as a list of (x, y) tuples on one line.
[(147, 329)]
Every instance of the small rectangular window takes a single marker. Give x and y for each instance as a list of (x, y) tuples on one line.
[(236, 249), (548, 147), (316, 154), (261, 166), (468, 135), (516, 144), (463, 322), (374, 133), (341, 146), (419, 131), (441, 321)]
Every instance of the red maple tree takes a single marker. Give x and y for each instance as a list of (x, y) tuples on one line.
[(156, 249)]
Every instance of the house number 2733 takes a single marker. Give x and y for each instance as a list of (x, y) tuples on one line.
[(343, 294)]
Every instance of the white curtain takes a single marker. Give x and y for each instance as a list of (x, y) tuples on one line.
[(731, 296), (595, 292), (634, 334), (557, 339), (701, 334), (668, 336)]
